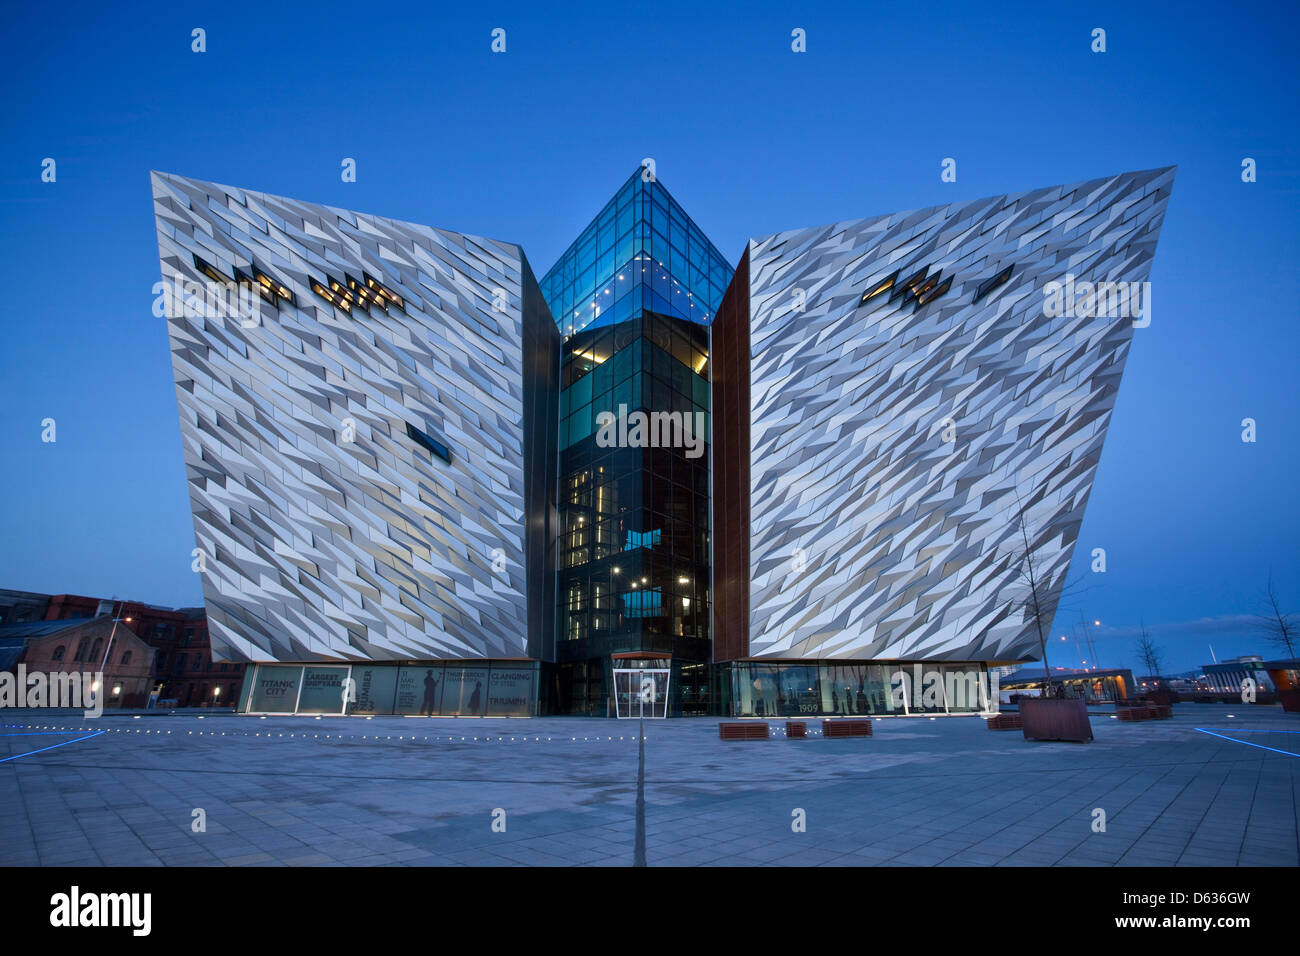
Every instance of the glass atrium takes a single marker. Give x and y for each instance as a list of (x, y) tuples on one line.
[(633, 297)]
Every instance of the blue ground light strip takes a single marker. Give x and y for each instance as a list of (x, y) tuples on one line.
[(1243, 730), (51, 747), (1289, 753)]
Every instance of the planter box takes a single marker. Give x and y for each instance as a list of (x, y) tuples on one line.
[(746, 730), (796, 730), (1145, 712), (1045, 718), (846, 728)]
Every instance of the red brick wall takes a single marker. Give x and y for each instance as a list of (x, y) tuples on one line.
[(134, 677)]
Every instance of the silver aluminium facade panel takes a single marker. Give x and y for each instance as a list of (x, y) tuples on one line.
[(325, 527), (898, 439)]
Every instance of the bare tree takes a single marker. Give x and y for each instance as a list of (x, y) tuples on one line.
[(1281, 628), (1150, 654)]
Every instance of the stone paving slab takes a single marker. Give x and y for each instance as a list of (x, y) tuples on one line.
[(300, 791)]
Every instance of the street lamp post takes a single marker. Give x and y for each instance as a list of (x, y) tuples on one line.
[(1087, 636), (108, 648), (1077, 652)]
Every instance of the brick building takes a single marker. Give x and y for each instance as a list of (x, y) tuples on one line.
[(18, 607), (181, 657), (86, 646)]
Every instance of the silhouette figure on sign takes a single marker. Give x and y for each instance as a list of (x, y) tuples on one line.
[(430, 698), (475, 699)]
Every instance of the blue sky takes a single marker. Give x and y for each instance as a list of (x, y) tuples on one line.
[(750, 137)]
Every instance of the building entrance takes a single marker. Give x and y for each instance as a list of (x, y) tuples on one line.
[(641, 692)]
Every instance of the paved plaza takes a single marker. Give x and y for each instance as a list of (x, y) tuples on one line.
[(298, 791)]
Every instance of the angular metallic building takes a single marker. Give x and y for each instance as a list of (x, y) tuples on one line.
[(370, 445), (901, 404), (408, 497)]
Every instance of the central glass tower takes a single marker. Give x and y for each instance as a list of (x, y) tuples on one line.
[(634, 296)]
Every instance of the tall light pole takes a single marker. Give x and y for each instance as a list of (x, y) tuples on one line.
[(1087, 636), (1074, 635), (108, 648)]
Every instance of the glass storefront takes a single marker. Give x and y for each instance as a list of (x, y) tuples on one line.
[(512, 689), (322, 690), (376, 687), (275, 689), (754, 689), (487, 689)]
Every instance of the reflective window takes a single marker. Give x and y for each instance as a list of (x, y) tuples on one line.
[(275, 689), (428, 442), (855, 689)]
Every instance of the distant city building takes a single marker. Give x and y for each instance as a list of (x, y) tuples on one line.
[(1178, 684), (1285, 677), (1280, 676), (1227, 676), (84, 646), (1113, 684), (17, 607), (181, 667)]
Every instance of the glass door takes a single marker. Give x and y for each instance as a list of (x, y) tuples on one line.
[(641, 692)]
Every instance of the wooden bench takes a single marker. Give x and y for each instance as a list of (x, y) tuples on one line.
[(796, 729), (1003, 722), (846, 728), (1163, 711), (746, 730)]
